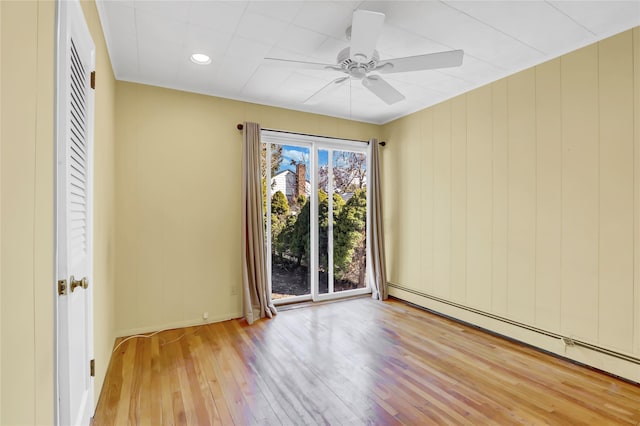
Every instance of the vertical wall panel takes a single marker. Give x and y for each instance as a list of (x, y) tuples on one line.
[(1, 138), (616, 192), (406, 260), (426, 200), (128, 189), (459, 198), (636, 183), (549, 195), (390, 164), (408, 222), (442, 200), (522, 196), (500, 154), (580, 205), (19, 149), (479, 198)]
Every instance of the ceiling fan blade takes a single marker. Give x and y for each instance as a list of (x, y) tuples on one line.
[(289, 63), (429, 61), (365, 30), (326, 90), (379, 87)]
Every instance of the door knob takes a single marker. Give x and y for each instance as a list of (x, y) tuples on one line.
[(78, 283)]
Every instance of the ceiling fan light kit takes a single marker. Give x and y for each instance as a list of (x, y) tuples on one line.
[(361, 61)]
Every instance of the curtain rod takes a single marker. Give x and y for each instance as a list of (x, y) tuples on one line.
[(240, 126)]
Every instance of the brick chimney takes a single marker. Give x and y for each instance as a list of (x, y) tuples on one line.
[(301, 179)]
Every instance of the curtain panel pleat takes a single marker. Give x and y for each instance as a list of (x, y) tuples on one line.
[(378, 269), (256, 292)]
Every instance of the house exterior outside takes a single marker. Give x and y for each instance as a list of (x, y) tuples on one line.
[(291, 184)]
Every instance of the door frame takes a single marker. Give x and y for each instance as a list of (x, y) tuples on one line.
[(316, 143)]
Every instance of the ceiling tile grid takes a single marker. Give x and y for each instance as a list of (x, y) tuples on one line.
[(151, 41)]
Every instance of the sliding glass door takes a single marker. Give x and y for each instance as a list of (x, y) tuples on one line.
[(287, 219), (315, 199), (342, 220)]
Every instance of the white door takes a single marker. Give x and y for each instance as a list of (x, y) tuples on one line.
[(74, 246)]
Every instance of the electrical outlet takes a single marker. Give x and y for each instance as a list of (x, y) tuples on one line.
[(568, 341), (205, 316)]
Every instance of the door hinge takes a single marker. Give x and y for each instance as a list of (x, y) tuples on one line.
[(92, 367), (62, 287), (93, 80)]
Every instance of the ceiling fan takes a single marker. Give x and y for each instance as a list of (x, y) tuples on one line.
[(361, 61)]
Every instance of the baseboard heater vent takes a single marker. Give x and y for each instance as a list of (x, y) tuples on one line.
[(569, 341)]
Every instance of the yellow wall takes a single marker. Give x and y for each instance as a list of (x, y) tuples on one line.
[(178, 201), (104, 202), (1, 102), (520, 198), (27, 212), (26, 200)]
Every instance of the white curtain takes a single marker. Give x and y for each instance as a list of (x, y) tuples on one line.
[(378, 270), (256, 292)]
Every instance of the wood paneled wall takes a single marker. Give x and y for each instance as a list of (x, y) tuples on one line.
[(520, 198)]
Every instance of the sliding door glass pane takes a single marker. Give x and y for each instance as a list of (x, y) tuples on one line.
[(350, 220), (323, 221), (290, 221)]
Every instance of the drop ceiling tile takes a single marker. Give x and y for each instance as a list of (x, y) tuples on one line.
[(124, 56), (278, 52), (472, 70), (124, 15), (328, 51), (536, 23), (328, 18), (198, 78), (261, 28), (304, 82), (291, 98), (300, 83), (385, 7), (160, 62), (300, 40), (235, 72), (244, 48), (603, 18), (219, 16), (263, 80), (158, 29), (417, 91), (452, 28), (324, 76), (205, 40), (159, 76), (284, 11), (397, 43), (174, 10)]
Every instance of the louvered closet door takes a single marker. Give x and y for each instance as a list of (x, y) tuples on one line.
[(74, 216)]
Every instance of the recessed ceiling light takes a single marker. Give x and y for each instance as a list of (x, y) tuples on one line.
[(200, 59)]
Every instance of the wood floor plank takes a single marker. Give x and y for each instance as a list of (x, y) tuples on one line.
[(352, 362)]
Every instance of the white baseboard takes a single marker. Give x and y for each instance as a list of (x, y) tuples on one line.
[(601, 361), (176, 324)]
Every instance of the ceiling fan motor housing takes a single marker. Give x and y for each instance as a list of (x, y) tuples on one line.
[(355, 69)]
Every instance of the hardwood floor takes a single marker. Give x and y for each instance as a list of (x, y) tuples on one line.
[(352, 362)]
